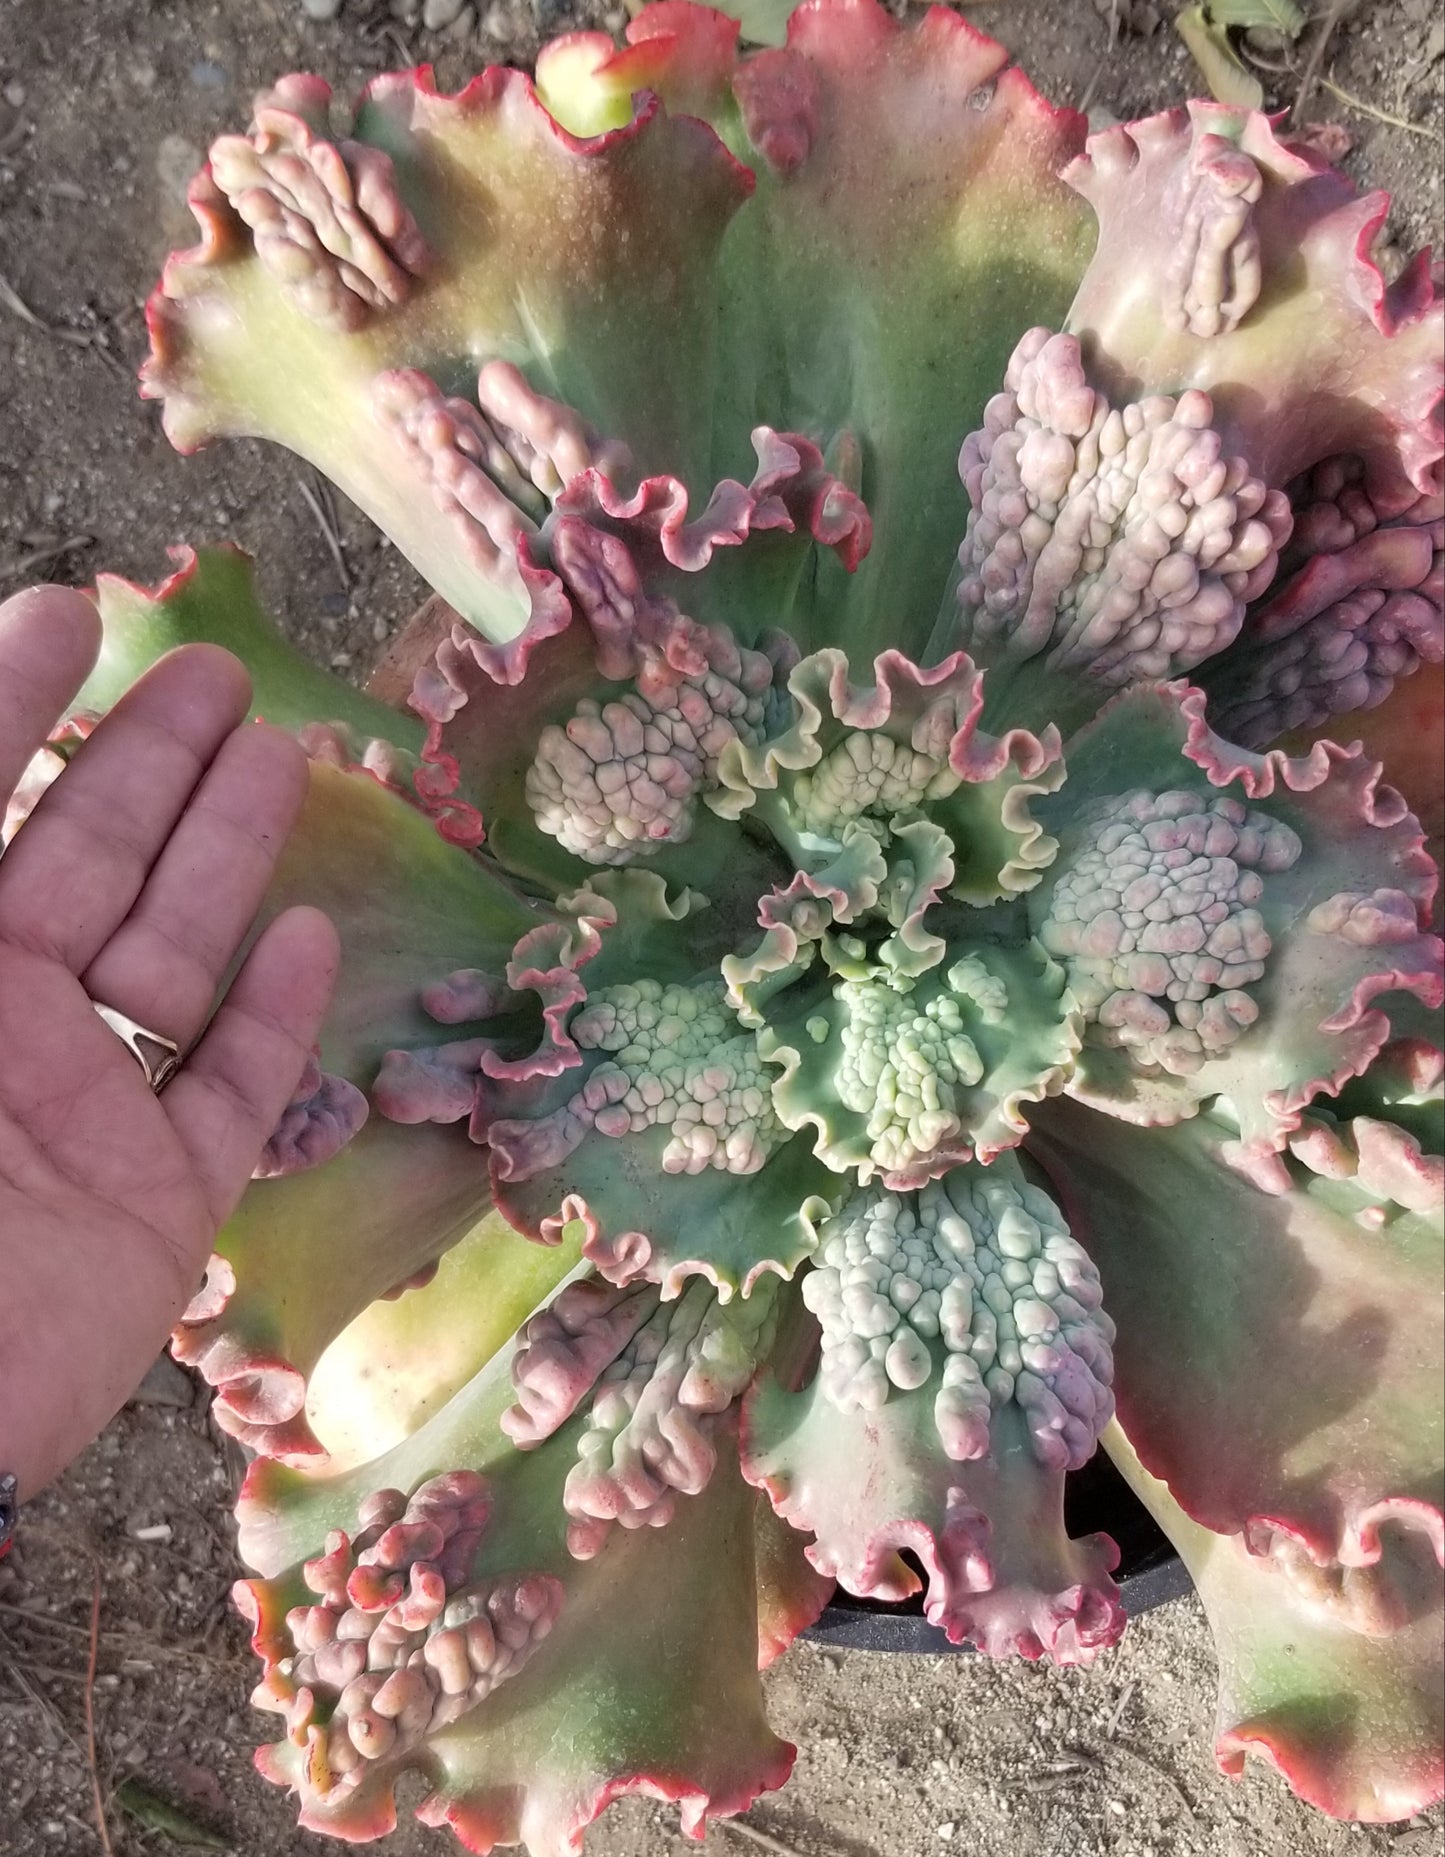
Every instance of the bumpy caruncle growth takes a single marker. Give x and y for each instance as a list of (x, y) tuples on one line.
[(848, 1003)]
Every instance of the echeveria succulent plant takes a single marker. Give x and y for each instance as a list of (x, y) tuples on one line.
[(840, 988)]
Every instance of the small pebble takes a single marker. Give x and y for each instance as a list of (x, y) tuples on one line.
[(159, 1532), (498, 24), (321, 9), (14, 93), (944, 1832), (438, 13)]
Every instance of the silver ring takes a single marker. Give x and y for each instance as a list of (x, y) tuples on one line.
[(159, 1058)]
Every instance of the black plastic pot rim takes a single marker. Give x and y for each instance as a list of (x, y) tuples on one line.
[(865, 1625)]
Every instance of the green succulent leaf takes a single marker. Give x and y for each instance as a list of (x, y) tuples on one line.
[(1229, 920), (1230, 80), (211, 599), (1279, 1343), (406, 1355), (530, 1640), (1351, 1718), (1281, 16), (946, 1405), (632, 294), (304, 1255)]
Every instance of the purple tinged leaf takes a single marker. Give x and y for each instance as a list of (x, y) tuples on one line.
[(484, 1710), (1279, 1341), (1107, 542), (327, 220), (324, 1113), (1359, 614), (1231, 264)]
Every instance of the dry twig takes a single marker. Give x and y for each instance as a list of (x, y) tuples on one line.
[(11, 299), (325, 521), (128, 1642), (12, 1668), (1161, 1772), (100, 1825), (1368, 109), (764, 1840), (19, 565), (17, 306), (1312, 62), (1116, 1714)]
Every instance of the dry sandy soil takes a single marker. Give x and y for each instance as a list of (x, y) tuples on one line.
[(105, 106)]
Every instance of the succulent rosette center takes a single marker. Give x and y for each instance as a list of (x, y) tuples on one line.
[(816, 895)]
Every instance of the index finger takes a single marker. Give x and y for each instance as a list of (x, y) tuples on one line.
[(49, 642)]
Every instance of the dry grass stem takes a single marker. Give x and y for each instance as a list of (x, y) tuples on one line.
[(1368, 109), (100, 1825)]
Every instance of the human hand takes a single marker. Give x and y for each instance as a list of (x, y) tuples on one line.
[(134, 883)]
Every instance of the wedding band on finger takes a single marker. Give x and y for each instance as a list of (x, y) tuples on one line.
[(159, 1058)]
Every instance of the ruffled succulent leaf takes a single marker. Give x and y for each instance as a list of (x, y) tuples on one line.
[(406, 1355), (634, 1689), (954, 144), (890, 167), (893, 807), (518, 1620), (1404, 1086), (900, 1080), (306, 1252), (211, 598), (594, 738), (1279, 1339), (1357, 614), (870, 755), (643, 1218), (1406, 735), (964, 1368), (1232, 264), (1110, 539), (1351, 1719), (528, 234), (647, 1690), (792, 1594), (618, 260), (1233, 368), (1230, 922)]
